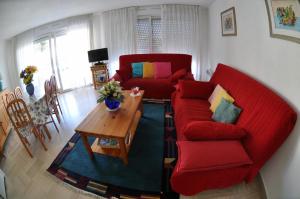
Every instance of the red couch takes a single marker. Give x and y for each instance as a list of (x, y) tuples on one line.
[(210, 164), (154, 88)]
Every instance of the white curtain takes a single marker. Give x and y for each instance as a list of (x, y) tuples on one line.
[(23, 51), (119, 34), (68, 54), (181, 32)]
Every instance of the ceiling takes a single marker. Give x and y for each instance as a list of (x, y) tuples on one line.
[(17, 16)]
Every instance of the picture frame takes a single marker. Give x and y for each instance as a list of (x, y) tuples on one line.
[(228, 22), (284, 19)]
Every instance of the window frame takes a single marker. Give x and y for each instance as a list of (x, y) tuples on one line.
[(149, 18)]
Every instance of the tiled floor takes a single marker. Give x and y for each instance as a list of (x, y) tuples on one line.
[(27, 177)]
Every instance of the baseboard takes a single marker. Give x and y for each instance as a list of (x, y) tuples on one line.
[(262, 185)]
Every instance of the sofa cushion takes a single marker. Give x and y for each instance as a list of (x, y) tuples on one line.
[(189, 110), (195, 89), (137, 69), (226, 112), (217, 99), (148, 70), (124, 74), (211, 155), (154, 88), (162, 69), (208, 130)]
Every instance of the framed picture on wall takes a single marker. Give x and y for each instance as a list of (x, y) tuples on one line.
[(284, 19), (228, 22)]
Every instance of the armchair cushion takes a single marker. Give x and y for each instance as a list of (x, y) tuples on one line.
[(210, 155), (209, 130), (195, 89)]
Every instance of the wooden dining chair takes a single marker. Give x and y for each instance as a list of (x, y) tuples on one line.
[(54, 92), (23, 124), (50, 101)]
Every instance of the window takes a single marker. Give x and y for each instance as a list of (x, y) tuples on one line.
[(149, 35)]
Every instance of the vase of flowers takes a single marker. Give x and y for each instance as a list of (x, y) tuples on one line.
[(27, 76), (111, 94)]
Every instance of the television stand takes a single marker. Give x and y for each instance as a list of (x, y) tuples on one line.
[(100, 74)]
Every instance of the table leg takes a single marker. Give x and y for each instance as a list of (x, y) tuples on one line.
[(87, 146), (123, 154), (141, 108)]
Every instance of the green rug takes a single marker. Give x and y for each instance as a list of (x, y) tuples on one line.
[(107, 175)]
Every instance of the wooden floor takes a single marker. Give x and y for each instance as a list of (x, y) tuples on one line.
[(27, 177)]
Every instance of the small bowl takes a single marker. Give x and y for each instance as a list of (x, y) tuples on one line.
[(135, 90)]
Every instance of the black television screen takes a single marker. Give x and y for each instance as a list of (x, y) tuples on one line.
[(98, 55)]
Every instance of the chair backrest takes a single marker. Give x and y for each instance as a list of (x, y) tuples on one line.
[(8, 97), (18, 113), (178, 61), (53, 84), (19, 93), (48, 93)]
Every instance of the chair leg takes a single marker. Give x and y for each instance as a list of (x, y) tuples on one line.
[(25, 145), (54, 123), (59, 106), (57, 114), (27, 149), (39, 136), (47, 131)]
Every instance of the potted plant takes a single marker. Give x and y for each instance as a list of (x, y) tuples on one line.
[(111, 94), (27, 76)]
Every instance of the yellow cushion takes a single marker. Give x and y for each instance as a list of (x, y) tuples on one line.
[(218, 97), (148, 70), (214, 94)]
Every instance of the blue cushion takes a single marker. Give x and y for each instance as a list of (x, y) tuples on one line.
[(226, 112), (137, 69)]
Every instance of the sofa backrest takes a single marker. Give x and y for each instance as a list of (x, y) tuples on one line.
[(267, 117), (178, 61)]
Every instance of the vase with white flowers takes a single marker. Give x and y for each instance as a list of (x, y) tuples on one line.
[(111, 94)]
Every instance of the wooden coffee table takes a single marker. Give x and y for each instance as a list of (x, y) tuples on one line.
[(118, 125)]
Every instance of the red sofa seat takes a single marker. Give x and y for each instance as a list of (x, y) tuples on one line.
[(190, 110), (154, 88), (162, 87), (266, 117)]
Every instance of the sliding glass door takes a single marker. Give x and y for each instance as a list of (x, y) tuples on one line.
[(63, 54)]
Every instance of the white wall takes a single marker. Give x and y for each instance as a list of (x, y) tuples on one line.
[(273, 61)]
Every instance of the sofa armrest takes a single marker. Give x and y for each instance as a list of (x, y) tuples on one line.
[(116, 77), (210, 155), (208, 165), (209, 130), (195, 89)]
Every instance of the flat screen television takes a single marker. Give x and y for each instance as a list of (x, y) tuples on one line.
[(98, 55)]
